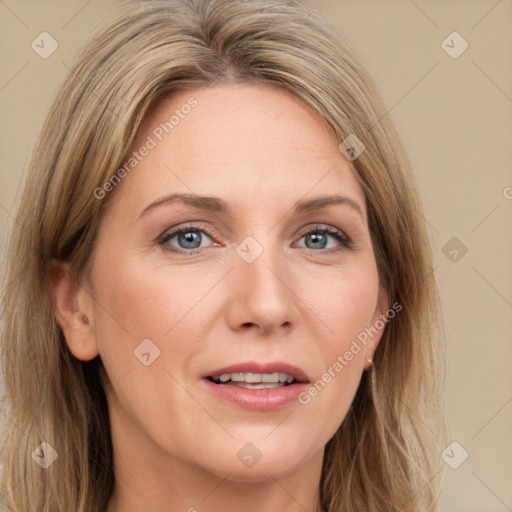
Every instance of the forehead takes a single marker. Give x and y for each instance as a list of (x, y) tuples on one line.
[(252, 143)]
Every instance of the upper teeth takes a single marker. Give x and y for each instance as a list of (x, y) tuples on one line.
[(256, 377)]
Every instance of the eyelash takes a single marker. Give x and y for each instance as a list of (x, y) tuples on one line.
[(345, 241)]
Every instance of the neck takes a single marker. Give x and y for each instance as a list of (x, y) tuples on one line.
[(188, 489)]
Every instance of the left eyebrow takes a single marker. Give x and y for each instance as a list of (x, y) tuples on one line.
[(324, 202)]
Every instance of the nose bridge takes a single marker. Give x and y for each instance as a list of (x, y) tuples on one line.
[(261, 261)]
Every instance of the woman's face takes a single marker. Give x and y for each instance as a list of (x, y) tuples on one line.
[(252, 285)]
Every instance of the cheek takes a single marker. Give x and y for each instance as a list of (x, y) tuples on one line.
[(172, 306), (134, 303), (348, 308), (145, 301)]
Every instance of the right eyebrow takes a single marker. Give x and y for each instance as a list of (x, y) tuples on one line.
[(213, 204)]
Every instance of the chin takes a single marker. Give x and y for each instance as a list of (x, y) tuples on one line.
[(260, 461)]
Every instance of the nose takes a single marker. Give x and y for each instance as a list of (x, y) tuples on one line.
[(261, 293)]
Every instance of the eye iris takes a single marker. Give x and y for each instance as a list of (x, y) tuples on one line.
[(315, 237), (188, 237)]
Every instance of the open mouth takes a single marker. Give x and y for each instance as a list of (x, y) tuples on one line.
[(254, 380), (256, 385)]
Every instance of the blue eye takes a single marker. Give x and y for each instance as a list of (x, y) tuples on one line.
[(318, 238), (189, 239)]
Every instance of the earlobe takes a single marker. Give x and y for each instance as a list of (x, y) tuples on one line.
[(72, 307)]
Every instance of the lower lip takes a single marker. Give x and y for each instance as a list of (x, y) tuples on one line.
[(258, 399)]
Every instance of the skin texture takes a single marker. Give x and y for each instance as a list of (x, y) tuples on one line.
[(175, 444)]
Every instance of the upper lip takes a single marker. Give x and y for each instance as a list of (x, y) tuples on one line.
[(260, 367)]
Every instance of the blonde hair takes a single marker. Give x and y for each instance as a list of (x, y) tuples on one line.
[(385, 454)]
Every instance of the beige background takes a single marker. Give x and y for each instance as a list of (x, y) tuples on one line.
[(455, 116)]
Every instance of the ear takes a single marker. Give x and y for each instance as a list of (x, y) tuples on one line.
[(377, 326), (72, 306)]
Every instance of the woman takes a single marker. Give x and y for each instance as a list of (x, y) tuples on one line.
[(219, 288)]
